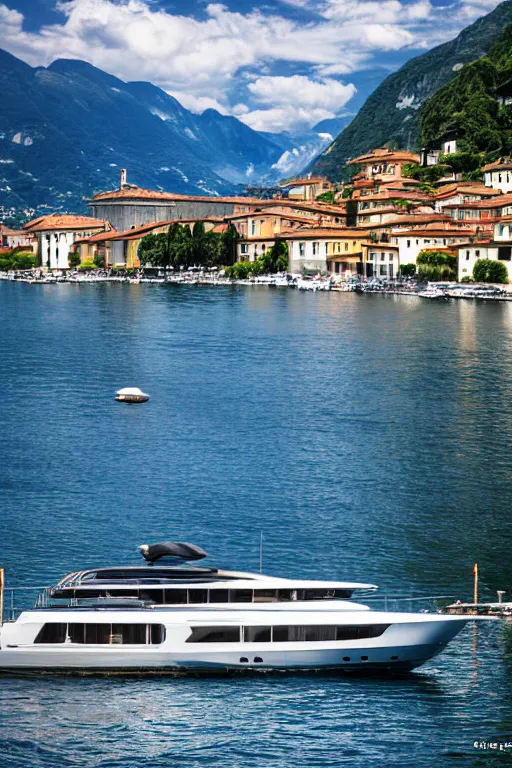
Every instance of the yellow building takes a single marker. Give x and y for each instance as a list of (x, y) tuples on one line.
[(120, 249), (307, 188), (327, 249)]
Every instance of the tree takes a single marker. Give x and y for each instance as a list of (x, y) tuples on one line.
[(199, 243), (74, 259), (99, 260), (436, 265), (276, 258), (23, 260), (229, 241), (490, 271), (326, 197), (408, 270), (152, 250)]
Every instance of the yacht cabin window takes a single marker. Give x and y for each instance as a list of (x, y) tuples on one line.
[(102, 634), (286, 634)]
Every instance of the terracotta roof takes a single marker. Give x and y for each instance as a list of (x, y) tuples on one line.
[(331, 232), (503, 164), (284, 215), (301, 182), (433, 233), (135, 232), (58, 221), (138, 193), (386, 155), (474, 243), (500, 201), (465, 187), (419, 218)]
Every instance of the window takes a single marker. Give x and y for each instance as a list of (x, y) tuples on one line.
[(301, 249), (467, 255), (240, 595), (362, 632), (214, 635), (102, 634), (178, 596), (219, 595), (346, 246), (265, 596), (408, 243), (383, 257), (198, 596), (383, 270), (477, 253), (257, 634), (243, 248)]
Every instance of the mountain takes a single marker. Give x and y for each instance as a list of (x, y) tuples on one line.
[(68, 129), (468, 108), (390, 114)]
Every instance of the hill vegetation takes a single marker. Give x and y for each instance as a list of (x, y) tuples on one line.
[(468, 108), (390, 116)]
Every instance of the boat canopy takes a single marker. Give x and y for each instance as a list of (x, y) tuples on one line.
[(177, 551)]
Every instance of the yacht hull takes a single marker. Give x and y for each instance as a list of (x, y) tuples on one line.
[(403, 646)]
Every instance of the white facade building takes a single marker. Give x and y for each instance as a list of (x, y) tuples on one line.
[(498, 249), (412, 242), (56, 234), (499, 176)]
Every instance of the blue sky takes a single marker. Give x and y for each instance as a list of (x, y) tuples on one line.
[(275, 64)]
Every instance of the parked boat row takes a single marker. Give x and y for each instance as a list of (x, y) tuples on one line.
[(171, 614), (438, 291)]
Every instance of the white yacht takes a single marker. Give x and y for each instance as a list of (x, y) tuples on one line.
[(165, 618)]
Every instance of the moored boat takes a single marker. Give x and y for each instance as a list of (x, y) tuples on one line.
[(164, 618), (131, 395)]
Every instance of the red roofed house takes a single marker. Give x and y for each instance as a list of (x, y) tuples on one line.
[(498, 175), (307, 188), (56, 234)]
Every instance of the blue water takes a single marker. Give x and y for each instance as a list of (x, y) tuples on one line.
[(367, 437)]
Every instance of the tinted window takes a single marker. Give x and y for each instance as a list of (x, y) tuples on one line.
[(257, 634), (102, 634), (198, 596), (219, 596), (51, 633), (362, 632), (215, 635), (129, 634), (175, 596), (241, 596)]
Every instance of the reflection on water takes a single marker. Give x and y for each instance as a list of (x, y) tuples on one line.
[(368, 437)]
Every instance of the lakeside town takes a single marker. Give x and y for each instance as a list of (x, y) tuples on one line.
[(403, 216)]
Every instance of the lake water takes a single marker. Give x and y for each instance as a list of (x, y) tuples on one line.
[(368, 437)]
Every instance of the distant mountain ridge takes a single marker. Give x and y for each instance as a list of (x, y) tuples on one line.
[(66, 131), (390, 114)]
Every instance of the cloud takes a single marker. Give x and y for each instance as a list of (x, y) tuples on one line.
[(296, 102), (228, 57)]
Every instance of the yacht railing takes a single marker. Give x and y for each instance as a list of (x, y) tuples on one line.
[(18, 599), (407, 603)]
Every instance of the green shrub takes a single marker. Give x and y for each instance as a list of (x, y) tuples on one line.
[(490, 271), (436, 265), (408, 270), (86, 266), (99, 261), (74, 260)]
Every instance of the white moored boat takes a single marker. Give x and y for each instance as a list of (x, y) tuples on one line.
[(165, 618)]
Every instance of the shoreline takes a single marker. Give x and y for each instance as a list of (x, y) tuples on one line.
[(298, 282)]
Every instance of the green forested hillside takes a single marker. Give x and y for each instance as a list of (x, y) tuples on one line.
[(391, 113), (468, 106)]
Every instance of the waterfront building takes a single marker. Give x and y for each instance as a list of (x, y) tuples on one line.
[(431, 237), (497, 248), (381, 260), (17, 238), (259, 227), (307, 188), (326, 249), (56, 234), (498, 175), (120, 249)]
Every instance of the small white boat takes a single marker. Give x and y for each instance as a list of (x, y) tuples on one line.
[(131, 395), (432, 293)]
